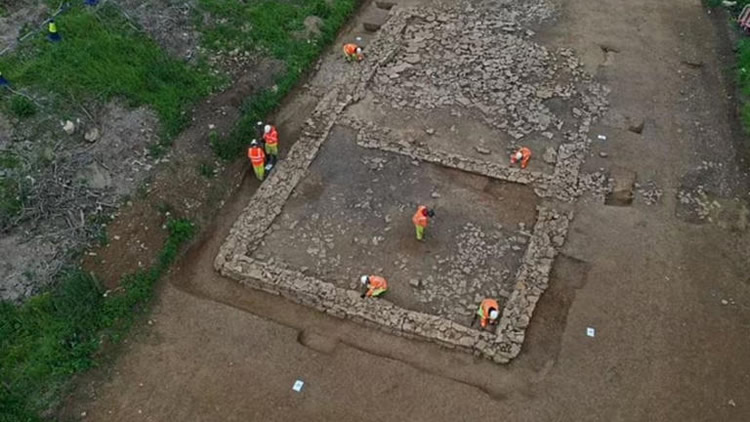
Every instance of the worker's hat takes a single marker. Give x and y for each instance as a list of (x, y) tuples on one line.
[(267, 128), (364, 279), (253, 143), (494, 314)]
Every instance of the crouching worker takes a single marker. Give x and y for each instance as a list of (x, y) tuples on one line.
[(353, 52), (487, 313), (375, 285), (522, 156)]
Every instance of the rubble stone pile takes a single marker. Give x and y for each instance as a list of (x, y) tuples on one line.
[(472, 56), (482, 59)]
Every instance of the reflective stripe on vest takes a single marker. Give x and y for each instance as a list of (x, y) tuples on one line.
[(272, 137), (257, 157)]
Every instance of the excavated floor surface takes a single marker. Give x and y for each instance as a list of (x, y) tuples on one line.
[(351, 215)]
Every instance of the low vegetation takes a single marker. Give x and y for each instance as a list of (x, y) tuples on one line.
[(273, 27), (55, 335), (743, 62), (102, 56)]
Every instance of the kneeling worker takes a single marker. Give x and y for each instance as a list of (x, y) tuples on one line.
[(522, 156), (487, 313), (353, 52), (375, 285)]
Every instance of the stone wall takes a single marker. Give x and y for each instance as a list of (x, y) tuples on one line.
[(501, 346), (276, 277), (273, 193)]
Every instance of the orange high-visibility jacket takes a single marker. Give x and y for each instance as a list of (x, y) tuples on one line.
[(484, 310), (257, 156), (350, 49), (419, 218), (272, 137), (376, 283), (525, 156)]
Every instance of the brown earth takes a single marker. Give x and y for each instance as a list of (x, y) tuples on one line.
[(352, 216), (669, 299)]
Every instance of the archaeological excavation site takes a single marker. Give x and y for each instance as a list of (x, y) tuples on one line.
[(429, 118), (374, 210)]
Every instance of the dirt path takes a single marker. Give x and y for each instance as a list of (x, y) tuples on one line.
[(670, 299)]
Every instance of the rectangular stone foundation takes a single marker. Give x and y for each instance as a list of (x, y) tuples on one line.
[(547, 235)]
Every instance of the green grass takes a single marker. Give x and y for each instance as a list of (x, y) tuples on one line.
[(101, 57), (268, 26), (56, 334), (742, 69), (21, 107)]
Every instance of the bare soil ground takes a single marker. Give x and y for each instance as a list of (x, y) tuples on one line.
[(352, 216), (73, 182), (75, 186), (669, 298)]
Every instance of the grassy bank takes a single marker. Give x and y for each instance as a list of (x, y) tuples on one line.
[(102, 57), (55, 335), (742, 67), (277, 29)]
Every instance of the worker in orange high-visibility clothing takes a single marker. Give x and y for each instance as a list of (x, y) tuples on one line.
[(353, 52), (523, 155), (375, 285), (271, 138), (420, 220), (257, 159), (487, 313)]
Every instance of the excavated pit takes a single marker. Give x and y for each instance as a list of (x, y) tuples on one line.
[(351, 215)]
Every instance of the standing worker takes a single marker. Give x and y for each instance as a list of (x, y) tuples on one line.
[(487, 313), (53, 35), (353, 52), (420, 220), (523, 155), (375, 285), (259, 134), (271, 138), (257, 159)]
